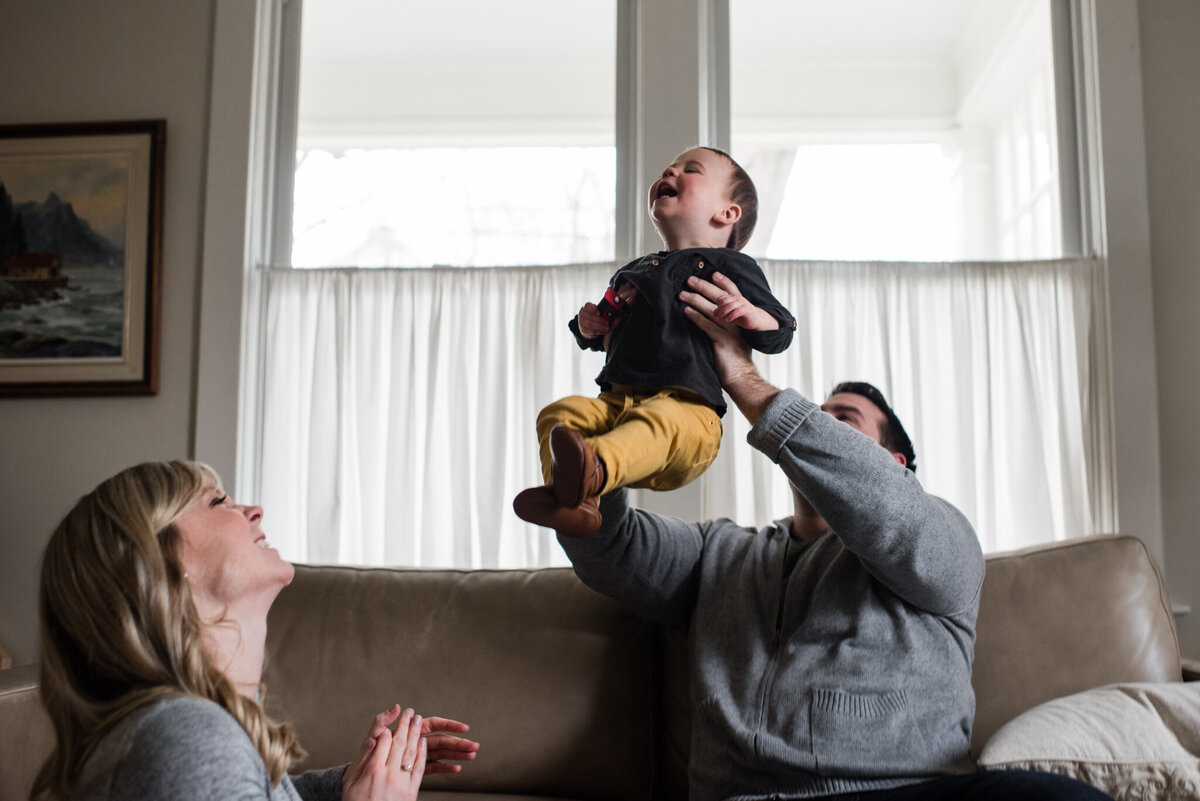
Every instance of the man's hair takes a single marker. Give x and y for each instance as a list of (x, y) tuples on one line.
[(743, 193), (894, 437)]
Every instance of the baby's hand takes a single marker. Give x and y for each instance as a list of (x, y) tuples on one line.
[(592, 323)]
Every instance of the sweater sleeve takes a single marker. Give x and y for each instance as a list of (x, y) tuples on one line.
[(644, 560), (319, 785), (917, 545)]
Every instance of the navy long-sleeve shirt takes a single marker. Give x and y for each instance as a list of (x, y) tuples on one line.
[(655, 344)]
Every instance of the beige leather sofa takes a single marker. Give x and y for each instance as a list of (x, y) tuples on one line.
[(574, 697)]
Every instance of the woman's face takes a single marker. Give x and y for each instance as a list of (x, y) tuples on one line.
[(226, 555)]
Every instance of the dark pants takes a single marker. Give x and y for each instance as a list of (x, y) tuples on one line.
[(1001, 785)]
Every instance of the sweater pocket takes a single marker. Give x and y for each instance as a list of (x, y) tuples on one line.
[(863, 735)]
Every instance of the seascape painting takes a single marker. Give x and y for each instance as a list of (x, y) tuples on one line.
[(80, 217), (62, 257)]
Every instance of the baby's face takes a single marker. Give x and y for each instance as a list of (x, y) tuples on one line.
[(690, 191)]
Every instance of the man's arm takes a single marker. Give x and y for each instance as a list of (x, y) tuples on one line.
[(917, 545), (646, 561)]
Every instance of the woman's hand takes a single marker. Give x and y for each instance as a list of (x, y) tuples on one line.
[(444, 745), (391, 764)]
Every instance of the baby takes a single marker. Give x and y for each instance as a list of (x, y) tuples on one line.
[(657, 420)]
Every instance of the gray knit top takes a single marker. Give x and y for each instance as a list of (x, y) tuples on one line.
[(189, 749), (822, 666)]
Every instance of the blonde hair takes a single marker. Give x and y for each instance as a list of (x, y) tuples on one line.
[(119, 629)]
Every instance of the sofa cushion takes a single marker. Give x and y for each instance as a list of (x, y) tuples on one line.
[(554, 679), (1134, 741)]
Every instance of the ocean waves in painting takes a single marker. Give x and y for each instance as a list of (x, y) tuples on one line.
[(83, 320)]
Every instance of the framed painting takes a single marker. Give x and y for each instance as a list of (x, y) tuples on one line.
[(80, 257)]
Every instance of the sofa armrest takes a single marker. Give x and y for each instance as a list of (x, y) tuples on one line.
[(1191, 669), (26, 736)]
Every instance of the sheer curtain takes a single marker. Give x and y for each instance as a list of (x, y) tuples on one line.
[(398, 405)]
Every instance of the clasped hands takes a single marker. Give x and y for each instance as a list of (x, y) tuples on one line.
[(393, 761)]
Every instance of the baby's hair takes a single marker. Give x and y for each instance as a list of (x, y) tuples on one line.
[(743, 193)]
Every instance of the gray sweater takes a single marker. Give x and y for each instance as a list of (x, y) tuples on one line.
[(188, 749), (831, 665)]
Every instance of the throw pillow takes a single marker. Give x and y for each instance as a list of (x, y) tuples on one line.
[(1137, 742)]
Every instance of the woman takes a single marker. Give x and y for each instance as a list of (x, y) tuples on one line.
[(154, 596)]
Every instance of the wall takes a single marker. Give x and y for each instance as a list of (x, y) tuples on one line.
[(77, 60), (1170, 33)]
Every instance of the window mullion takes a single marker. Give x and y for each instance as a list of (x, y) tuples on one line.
[(1067, 71), (279, 245), (679, 49)]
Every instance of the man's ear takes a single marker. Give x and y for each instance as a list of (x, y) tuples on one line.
[(728, 215), (901, 459)]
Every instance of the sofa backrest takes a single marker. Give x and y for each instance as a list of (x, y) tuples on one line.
[(554, 679), (574, 696), (1065, 617)]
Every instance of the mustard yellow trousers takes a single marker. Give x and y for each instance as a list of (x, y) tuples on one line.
[(659, 440)]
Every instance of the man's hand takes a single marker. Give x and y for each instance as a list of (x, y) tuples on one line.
[(731, 355)]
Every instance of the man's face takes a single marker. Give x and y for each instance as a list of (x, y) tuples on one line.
[(861, 415), (858, 413)]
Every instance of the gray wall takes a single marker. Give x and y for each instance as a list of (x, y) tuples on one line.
[(1170, 43), (76, 60)]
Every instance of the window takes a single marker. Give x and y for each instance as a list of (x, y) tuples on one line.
[(890, 131), (401, 402), (454, 133)]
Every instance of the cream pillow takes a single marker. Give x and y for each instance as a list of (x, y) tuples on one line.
[(1137, 742)]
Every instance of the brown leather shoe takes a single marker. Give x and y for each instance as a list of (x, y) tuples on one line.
[(538, 505), (576, 473)]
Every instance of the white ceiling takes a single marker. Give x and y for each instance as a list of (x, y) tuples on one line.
[(854, 30), (346, 31)]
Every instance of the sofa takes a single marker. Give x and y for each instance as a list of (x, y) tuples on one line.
[(572, 696)]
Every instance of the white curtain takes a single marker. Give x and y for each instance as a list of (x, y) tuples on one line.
[(399, 405)]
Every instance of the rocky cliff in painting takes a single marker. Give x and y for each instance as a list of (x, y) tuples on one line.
[(53, 227)]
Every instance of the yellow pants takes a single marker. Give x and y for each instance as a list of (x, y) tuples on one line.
[(660, 441)]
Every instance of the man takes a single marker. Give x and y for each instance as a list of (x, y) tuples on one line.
[(830, 653)]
